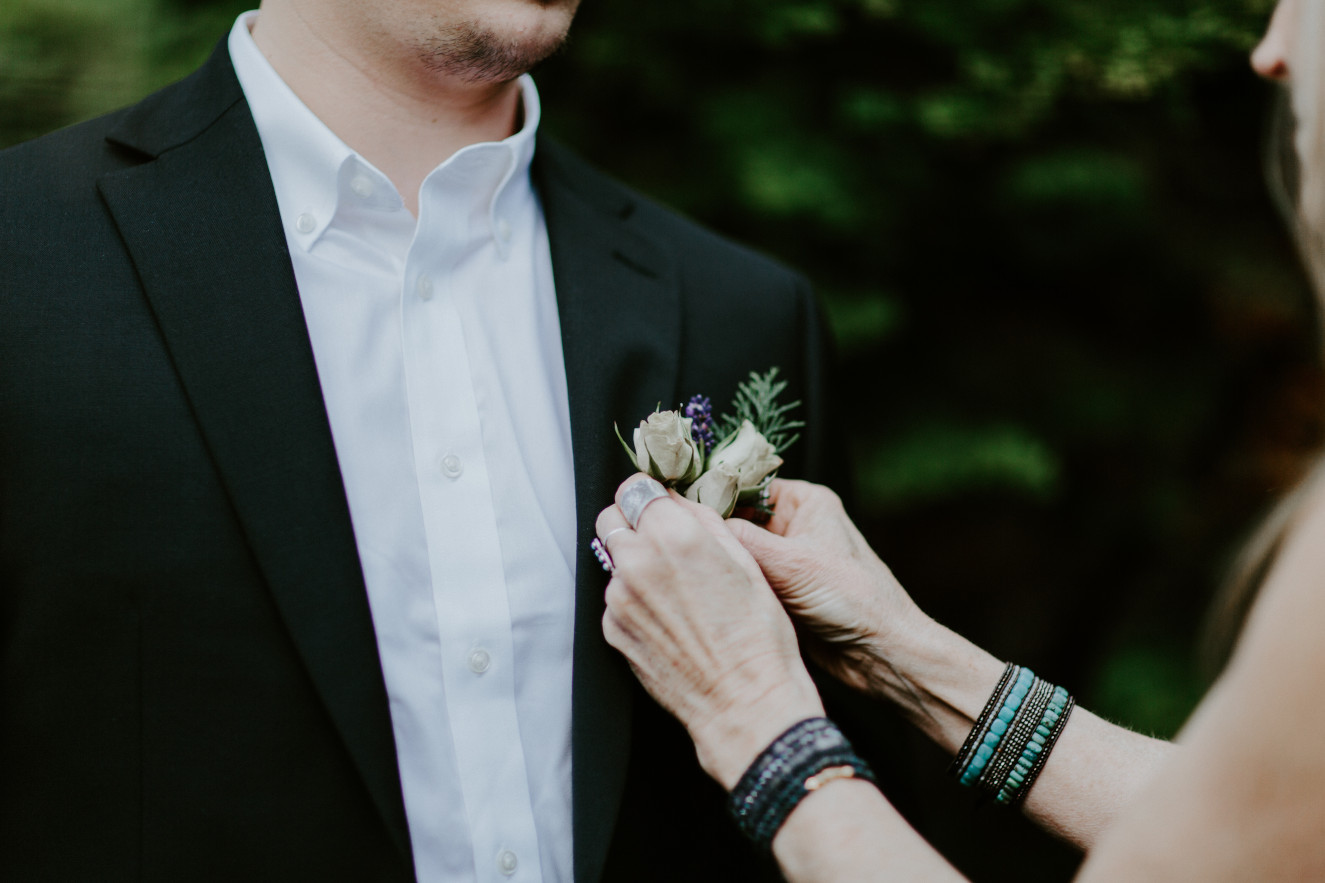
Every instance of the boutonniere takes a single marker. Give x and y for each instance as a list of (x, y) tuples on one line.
[(725, 462)]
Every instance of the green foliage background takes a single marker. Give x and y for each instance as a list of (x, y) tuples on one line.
[(1078, 351)]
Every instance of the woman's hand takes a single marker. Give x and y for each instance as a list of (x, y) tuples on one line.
[(832, 583), (706, 636)]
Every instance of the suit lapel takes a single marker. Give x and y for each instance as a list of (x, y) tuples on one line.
[(619, 304), (200, 220)]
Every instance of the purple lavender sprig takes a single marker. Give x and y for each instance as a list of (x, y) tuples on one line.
[(700, 411)]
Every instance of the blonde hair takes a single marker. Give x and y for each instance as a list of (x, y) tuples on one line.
[(1297, 179), (1234, 600), (1307, 100)]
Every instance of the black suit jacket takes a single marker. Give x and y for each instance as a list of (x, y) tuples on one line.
[(189, 681)]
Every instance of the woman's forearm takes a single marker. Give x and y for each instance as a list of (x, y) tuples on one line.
[(937, 679), (874, 638), (1095, 771), (848, 831), (941, 682)]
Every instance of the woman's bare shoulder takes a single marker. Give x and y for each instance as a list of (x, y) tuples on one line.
[(1245, 797)]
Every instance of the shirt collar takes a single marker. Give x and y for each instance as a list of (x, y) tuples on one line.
[(312, 169)]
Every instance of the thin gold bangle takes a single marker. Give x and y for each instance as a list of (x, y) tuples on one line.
[(829, 774)]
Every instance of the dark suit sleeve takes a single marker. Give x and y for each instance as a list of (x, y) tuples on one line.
[(157, 722)]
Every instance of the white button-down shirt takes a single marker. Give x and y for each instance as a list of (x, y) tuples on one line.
[(438, 348)]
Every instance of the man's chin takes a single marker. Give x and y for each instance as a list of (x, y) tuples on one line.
[(482, 52)]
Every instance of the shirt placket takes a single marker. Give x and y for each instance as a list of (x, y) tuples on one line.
[(476, 653)]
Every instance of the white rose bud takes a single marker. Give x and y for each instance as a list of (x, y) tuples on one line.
[(717, 488), (665, 450), (749, 454)]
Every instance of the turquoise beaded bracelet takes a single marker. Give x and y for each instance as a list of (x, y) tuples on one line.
[(982, 722), (1052, 725), (1018, 735), (1034, 745), (1012, 737), (998, 725)]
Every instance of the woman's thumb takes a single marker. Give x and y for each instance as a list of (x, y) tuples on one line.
[(765, 547)]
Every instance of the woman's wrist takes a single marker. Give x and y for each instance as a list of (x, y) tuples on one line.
[(729, 739), (935, 678), (807, 757)]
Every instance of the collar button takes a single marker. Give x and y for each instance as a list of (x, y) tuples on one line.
[(362, 186)]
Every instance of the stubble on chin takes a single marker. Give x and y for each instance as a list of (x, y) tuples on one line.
[(474, 54)]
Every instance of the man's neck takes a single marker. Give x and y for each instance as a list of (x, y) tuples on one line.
[(401, 117)]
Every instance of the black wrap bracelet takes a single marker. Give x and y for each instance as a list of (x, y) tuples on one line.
[(810, 754)]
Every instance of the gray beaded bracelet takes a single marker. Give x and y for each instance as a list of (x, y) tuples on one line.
[(805, 757)]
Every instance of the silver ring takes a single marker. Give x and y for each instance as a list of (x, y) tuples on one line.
[(604, 557), (635, 498), (607, 536)]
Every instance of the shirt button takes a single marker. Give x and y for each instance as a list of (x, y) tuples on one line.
[(451, 466), (504, 230), (479, 661), (506, 862), (424, 287), (362, 186), (305, 223)]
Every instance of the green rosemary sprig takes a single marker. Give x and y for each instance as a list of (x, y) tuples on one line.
[(756, 401)]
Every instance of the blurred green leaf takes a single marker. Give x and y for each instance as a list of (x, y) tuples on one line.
[(937, 462), (1148, 686), (862, 320), (1084, 178)]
